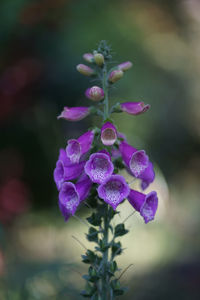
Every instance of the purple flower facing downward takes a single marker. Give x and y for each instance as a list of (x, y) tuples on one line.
[(64, 173), (114, 190), (99, 167), (147, 176), (108, 134), (71, 195), (76, 148), (146, 205), (134, 108), (74, 113), (136, 160), (68, 199)]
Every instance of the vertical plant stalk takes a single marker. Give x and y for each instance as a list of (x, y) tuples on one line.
[(89, 168)]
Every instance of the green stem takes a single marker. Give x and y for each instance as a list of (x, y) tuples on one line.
[(105, 286), (105, 88)]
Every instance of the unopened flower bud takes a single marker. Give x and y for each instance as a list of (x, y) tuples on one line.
[(125, 66), (85, 70), (89, 57), (115, 75), (94, 93), (99, 59), (74, 113)]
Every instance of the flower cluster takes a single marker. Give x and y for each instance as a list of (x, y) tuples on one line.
[(81, 168)]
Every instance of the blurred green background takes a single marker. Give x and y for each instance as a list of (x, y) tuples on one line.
[(41, 43)]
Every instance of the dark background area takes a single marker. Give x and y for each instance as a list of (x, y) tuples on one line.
[(41, 44)]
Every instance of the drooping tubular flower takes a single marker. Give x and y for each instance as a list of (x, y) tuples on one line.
[(76, 148), (136, 160), (108, 134), (146, 205), (74, 113), (114, 190), (147, 176), (64, 173), (71, 195), (99, 167)]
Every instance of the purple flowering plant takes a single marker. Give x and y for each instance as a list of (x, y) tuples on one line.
[(88, 171)]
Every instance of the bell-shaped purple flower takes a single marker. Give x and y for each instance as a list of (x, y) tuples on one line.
[(68, 199), (134, 108), (136, 160), (147, 176), (74, 113), (71, 195), (76, 148), (67, 172), (99, 167), (114, 190), (146, 205), (108, 134)]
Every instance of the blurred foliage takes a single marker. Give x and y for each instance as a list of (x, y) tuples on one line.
[(41, 43)]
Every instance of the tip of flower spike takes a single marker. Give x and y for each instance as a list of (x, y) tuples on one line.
[(99, 59)]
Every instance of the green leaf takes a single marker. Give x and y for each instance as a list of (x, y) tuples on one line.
[(92, 236), (120, 230), (94, 219), (116, 249)]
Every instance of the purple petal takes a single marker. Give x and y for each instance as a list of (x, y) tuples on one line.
[(114, 190), (83, 186), (108, 134), (63, 157), (76, 148), (74, 113), (145, 204), (147, 176), (134, 108), (73, 171), (58, 174), (136, 160), (86, 141), (99, 167), (73, 151), (68, 199)]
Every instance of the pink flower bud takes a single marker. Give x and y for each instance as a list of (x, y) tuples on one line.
[(85, 70), (115, 75), (89, 57), (99, 59), (134, 108), (125, 66), (94, 93), (108, 134), (74, 113)]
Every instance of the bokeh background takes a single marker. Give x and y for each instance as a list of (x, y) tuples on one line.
[(41, 43)]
